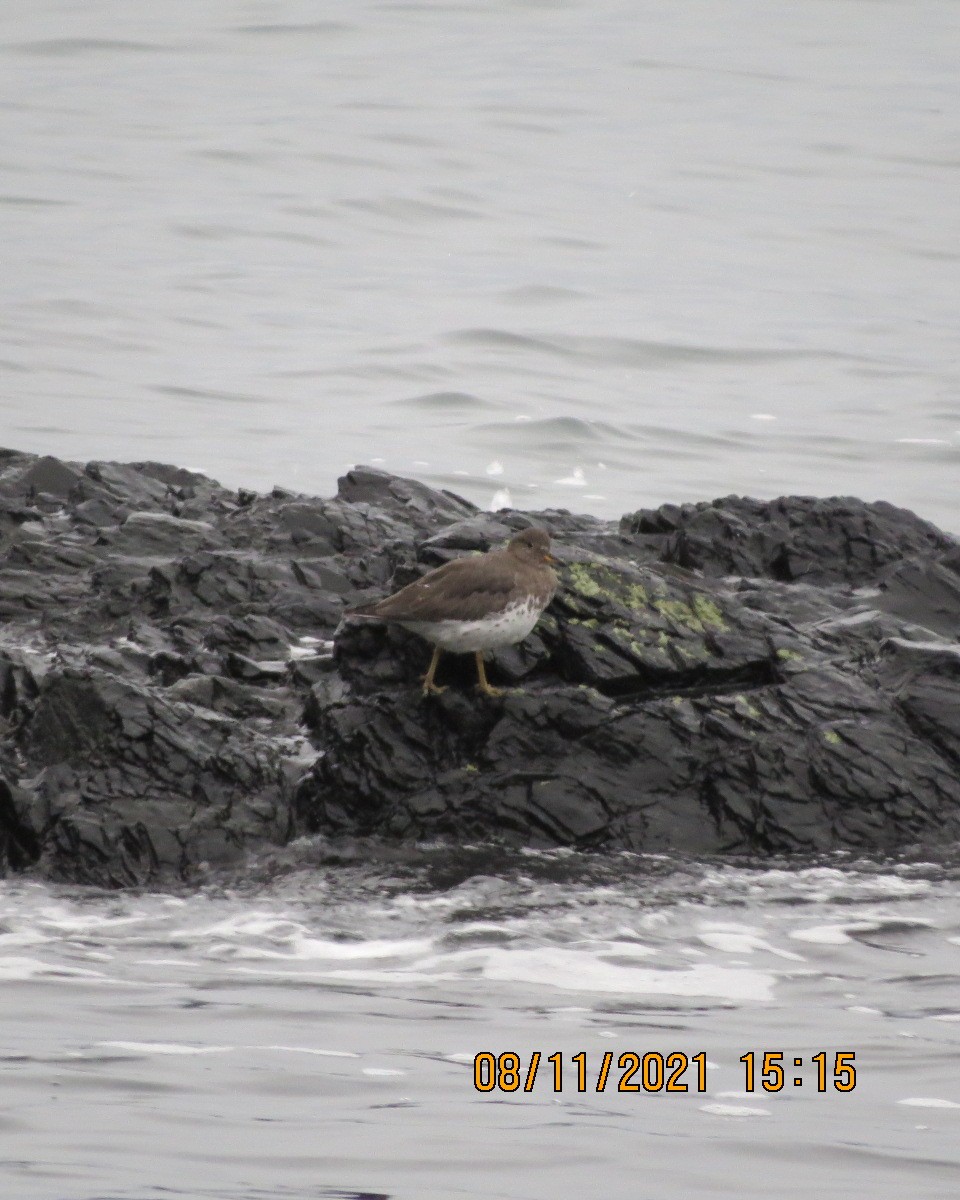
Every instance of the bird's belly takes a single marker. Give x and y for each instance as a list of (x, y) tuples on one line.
[(486, 633)]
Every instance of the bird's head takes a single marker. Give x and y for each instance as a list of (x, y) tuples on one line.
[(531, 546)]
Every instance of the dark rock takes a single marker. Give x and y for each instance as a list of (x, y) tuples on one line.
[(925, 679), (50, 476), (19, 846), (163, 533), (176, 688), (401, 497), (790, 539), (126, 778), (248, 669), (100, 513), (925, 592)]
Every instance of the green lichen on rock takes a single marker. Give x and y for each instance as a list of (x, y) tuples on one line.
[(699, 615), (596, 581), (829, 735), (662, 625), (708, 611), (631, 640), (789, 655), (693, 653), (744, 706), (580, 578)]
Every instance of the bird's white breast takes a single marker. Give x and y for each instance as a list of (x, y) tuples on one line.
[(461, 637)]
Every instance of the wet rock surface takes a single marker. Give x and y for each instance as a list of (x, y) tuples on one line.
[(177, 689)]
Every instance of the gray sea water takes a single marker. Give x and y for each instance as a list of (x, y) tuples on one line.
[(546, 252), (313, 1032), (595, 255)]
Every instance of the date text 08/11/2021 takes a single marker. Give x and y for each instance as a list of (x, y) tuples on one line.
[(654, 1071)]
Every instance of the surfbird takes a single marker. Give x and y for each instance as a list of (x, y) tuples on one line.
[(476, 603)]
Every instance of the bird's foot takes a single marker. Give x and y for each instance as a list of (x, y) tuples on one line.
[(432, 689), (487, 689)]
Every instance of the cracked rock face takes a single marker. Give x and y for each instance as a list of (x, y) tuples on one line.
[(657, 712), (176, 688)]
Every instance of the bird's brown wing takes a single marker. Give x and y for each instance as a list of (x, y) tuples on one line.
[(457, 589)]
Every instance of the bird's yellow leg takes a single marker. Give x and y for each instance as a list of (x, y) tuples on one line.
[(429, 687), (482, 683)]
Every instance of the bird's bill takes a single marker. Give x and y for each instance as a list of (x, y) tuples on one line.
[(548, 558)]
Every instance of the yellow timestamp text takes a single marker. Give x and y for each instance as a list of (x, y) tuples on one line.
[(631, 1071), (833, 1070), (658, 1071)]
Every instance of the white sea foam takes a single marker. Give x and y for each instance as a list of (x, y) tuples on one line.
[(308, 1050), (571, 970), (823, 935), (815, 883), (734, 1110), (14, 967), (582, 971), (576, 478), (262, 924), (740, 939), (296, 653), (836, 934), (172, 1048), (23, 937), (62, 919), (321, 948), (551, 967), (928, 1102)]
